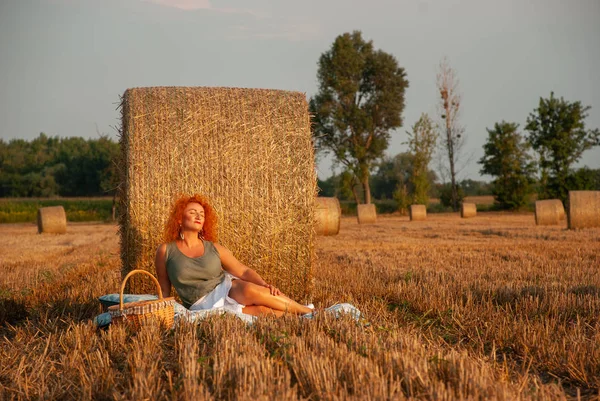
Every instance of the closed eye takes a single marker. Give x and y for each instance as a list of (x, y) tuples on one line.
[(193, 211)]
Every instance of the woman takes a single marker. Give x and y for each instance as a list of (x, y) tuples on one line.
[(205, 274)]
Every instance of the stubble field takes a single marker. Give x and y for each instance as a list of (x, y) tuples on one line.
[(485, 308)]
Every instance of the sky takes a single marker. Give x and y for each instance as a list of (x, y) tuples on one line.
[(65, 63)]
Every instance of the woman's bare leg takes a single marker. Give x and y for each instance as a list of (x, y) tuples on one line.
[(259, 310), (247, 293)]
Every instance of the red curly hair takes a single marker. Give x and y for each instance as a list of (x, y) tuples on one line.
[(210, 218)]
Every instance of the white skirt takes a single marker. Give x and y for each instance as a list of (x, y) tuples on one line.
[(219, 299)]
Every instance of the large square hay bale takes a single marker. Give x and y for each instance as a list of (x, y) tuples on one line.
[(584, 209), (249, 150)]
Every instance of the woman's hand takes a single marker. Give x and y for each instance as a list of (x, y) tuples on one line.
[(274, 291)]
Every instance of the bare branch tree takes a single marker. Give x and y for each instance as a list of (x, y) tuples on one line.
[(452, 132)]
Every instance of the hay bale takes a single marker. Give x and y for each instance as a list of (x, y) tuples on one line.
[(367, 214), (327, 216), (548, 212), (561, 209), (248, 150), (417, 212), (468, 210), (584, 209), (52, 219)]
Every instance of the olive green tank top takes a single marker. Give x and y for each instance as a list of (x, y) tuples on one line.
[(193, 278)]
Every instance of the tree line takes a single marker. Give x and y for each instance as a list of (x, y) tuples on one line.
[(359, 104), (52, 166)]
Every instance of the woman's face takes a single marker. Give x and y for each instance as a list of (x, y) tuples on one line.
[(193, 217)]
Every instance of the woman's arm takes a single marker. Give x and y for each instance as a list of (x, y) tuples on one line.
[(161, 270), (236, 268)]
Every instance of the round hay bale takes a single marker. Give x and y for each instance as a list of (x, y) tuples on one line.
[(561, 209), (468, 210), (417, 212), (547, 212), (327, 216), (584, 209), (366, 214), (52, 219)]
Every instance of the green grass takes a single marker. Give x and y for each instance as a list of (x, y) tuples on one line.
[(25, 210)]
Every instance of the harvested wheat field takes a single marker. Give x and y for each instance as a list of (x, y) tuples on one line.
[(492, 307)]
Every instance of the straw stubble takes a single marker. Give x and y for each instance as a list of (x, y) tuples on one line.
[(248, 150)]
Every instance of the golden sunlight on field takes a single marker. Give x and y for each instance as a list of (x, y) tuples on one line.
[(492, 307)]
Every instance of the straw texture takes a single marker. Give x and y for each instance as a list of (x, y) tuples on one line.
[(327, 216), (468, 210), (548, 212), (561, 209), (366, 214), (417, 212), (249, 150), (52, 219), (584, 209)]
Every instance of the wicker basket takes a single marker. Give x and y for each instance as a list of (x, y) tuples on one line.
[(138, 314)]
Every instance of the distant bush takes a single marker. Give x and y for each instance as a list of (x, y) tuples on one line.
[(439, 208), (382, 207), (25, 211)]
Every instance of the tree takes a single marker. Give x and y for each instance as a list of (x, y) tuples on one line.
[(393, 179), (398, 170), (449, 195), (360, 100), (403, 198), (557, 133), (452, 135), (391, 171), (422, 143), (326, 187), (476, 188), (342, 186), (506, 159), (50, 166), (585, 179)]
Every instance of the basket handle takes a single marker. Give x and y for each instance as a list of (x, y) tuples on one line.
[(131, 273)]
